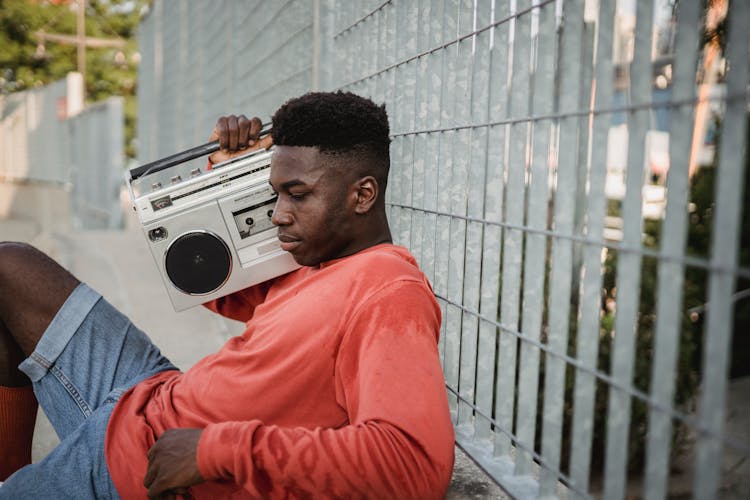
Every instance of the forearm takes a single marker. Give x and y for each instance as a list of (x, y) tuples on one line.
[(240, 305), (373, 460)]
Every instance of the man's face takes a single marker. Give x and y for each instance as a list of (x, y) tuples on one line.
[(315, 209)]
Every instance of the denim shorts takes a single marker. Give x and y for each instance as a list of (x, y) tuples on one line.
[(87, 358)]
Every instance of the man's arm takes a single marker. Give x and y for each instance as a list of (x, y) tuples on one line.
[(172, 459), (240, 305), (172, 466), (237, 135), (399, 440)]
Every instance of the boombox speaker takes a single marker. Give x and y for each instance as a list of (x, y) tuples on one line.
[(209, 231)]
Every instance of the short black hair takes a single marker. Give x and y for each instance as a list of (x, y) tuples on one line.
[(336, 123)]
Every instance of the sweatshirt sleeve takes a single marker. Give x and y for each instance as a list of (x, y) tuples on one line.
[(399, 439), (240, 305)]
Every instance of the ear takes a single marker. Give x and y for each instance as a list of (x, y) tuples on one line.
[(367, 191)]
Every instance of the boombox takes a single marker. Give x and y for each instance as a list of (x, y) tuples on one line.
[(210, 233)]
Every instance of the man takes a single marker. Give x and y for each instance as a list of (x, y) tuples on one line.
[(333, 390)]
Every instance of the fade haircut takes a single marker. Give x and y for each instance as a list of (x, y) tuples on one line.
[(339, 124)]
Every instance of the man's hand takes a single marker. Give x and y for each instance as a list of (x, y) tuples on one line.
[(237, 136), (172, 463)]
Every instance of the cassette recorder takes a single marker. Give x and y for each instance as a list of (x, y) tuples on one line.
[(210, 233)]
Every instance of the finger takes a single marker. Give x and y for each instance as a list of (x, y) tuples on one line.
[(163, 496), (181, 492), (243, 125), (150, 475), (221, 129), (157, 491), (255, 126), (233, 133)]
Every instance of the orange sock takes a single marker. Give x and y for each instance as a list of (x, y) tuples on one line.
[(17, 418)]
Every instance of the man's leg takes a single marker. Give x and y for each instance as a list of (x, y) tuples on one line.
[(76, 468), (18, 408), (32, 289)]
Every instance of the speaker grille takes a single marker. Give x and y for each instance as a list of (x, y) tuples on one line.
[(198, 262)]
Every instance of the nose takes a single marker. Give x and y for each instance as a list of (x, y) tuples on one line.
[(281, 215)]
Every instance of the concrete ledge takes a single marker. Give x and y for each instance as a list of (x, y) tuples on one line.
[(469, 481)]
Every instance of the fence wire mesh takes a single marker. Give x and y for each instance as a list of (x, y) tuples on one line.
[(571, 176), (80, 153)]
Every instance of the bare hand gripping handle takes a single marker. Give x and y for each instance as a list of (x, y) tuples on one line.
[(183, 156)]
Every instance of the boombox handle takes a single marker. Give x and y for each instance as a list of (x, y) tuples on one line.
[(183, 156)]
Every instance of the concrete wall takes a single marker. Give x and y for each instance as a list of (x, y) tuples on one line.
[(51, 144)]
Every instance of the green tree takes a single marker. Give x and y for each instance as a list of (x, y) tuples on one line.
[(26, 63)]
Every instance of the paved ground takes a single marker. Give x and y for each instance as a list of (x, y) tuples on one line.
[(118, 264)]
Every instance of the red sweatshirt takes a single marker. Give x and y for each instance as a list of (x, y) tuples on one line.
[(333, 390)]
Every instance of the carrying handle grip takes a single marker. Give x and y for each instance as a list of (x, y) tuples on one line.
[(183, 156)]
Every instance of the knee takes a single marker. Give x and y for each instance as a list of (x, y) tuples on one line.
[(12, 253), (24, 267), (16, 261), (16, 246), (13, 256), (32, 289)]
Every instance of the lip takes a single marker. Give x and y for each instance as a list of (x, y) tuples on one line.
[(288, 243)]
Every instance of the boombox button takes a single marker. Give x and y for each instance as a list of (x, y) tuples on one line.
[(195, 172), (157, 234)]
